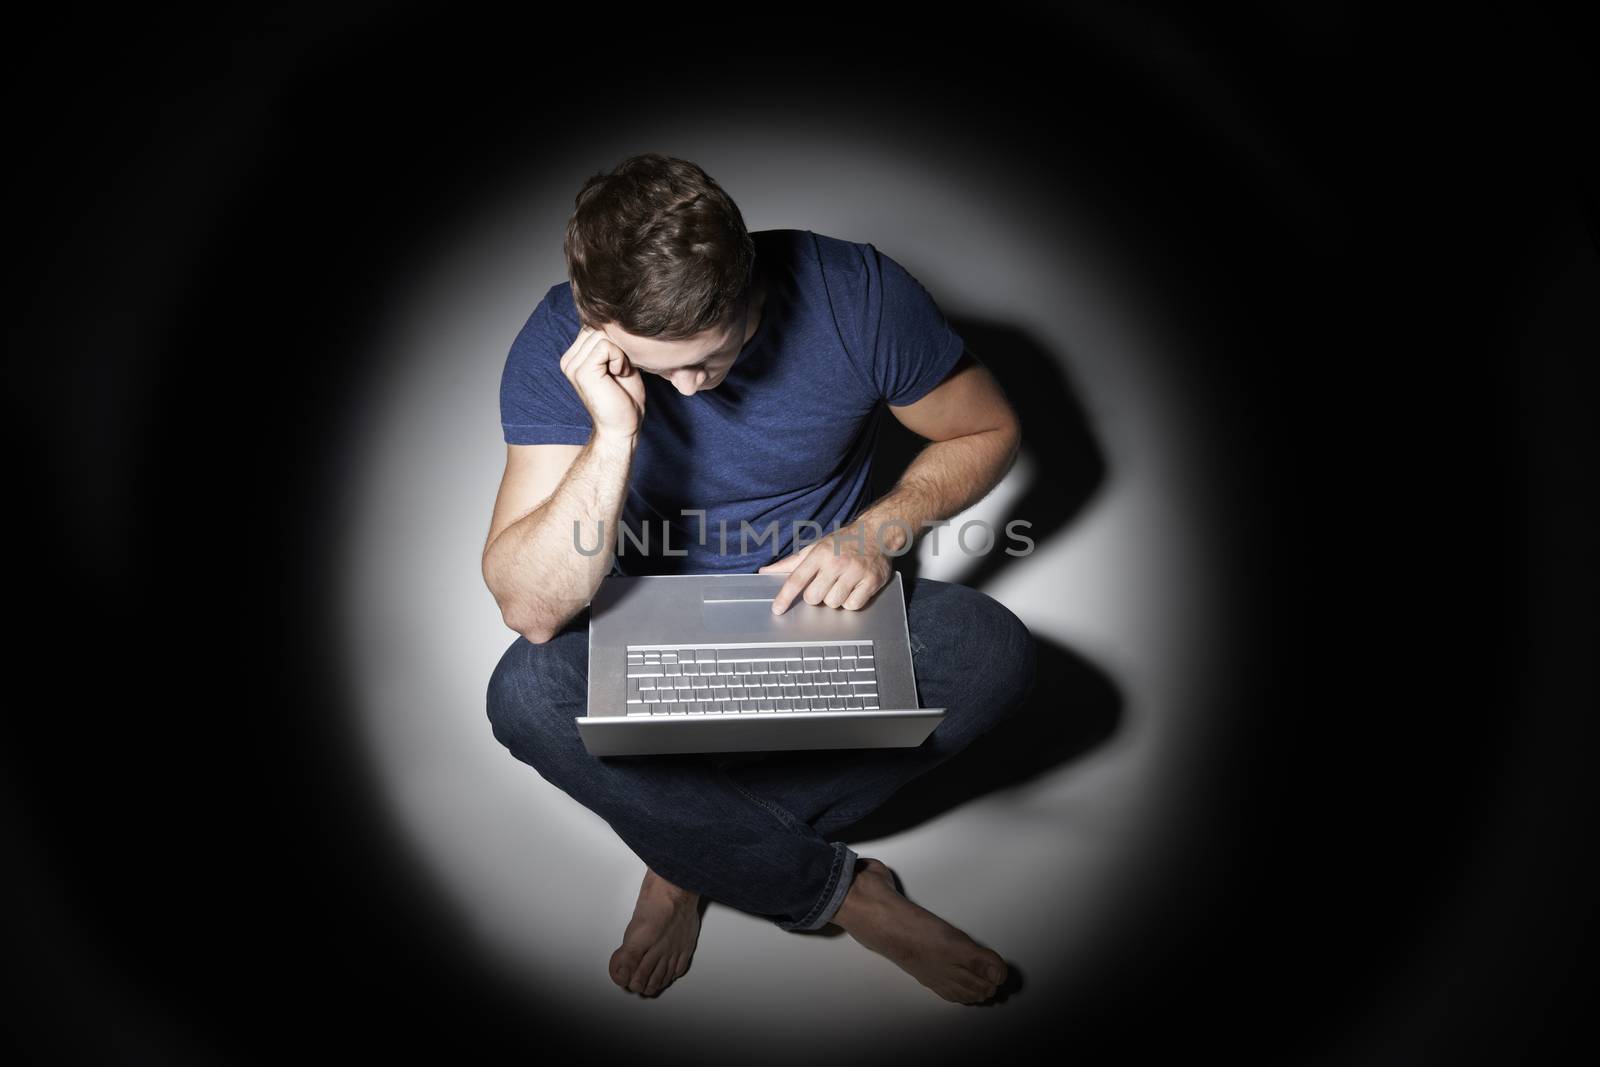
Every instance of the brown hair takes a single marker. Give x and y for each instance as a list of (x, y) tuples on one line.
[(658, 248)]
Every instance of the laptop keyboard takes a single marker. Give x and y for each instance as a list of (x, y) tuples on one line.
[(751, 679)]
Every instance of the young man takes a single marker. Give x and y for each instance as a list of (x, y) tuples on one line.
[(691, 378)]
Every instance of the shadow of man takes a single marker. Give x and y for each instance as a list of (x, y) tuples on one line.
[(1073, 707)]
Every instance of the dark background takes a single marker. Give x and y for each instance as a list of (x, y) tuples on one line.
[(1388, 226)]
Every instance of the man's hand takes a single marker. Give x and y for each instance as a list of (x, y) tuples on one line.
[(838, 570), (607, 383)]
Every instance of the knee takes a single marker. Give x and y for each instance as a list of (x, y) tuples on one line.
[(534, 689), (1007, 652)]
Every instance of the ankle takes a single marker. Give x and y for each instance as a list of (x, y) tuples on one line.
[(860, 905), (661, 885)]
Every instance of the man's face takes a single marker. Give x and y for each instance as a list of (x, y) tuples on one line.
[(700, 362)]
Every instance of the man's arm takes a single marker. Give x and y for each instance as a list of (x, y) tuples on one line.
[(531, 562), (976, 436)]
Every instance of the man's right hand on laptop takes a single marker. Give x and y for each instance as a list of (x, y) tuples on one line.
[(611, 388)]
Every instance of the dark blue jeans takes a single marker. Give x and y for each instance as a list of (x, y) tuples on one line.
[(751, 829)]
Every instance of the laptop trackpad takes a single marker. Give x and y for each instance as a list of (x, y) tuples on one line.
[(733, 606)]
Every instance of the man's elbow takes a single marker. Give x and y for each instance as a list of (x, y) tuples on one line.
[(536, 632), (517, 618)]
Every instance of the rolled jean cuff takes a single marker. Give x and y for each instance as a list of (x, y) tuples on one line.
[(833, 894)]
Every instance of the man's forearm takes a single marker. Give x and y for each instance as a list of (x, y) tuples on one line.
[(534, 568), (945, 478)]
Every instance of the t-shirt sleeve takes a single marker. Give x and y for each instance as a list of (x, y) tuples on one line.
[(900, 335), (538, 406)]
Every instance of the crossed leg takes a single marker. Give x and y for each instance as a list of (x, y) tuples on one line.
[(751, 836)]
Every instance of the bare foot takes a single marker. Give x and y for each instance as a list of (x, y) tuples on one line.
[(660, 938), (923, 945)]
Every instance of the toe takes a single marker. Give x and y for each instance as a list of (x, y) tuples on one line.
[(624, 961), (973, 990), (658, 977), (957, 991), (989, 967), (641, 973)]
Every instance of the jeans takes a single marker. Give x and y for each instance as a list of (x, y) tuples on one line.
[(751, 829)]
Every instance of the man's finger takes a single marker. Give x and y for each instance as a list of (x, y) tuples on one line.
[(862, 593), (841, 589), (799, 578), (787, 563), (617, 366), (586, 340), (821, 585), (585, 355)]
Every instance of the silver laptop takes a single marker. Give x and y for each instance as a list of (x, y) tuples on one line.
[(699, 663)]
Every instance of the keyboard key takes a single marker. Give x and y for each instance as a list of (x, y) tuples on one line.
[(751, 679)]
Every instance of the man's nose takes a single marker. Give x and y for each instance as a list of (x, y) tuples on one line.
[(688, 383)]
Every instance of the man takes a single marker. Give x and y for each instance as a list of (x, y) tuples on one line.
[(689, 366)]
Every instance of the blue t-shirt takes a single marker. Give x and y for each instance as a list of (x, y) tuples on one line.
[(786, 436)]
